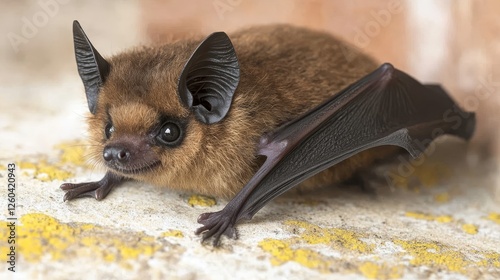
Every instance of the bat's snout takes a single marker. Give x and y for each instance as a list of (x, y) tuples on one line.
[(116, 153), (130, 155)]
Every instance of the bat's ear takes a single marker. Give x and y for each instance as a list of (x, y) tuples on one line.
[(210, 78), (93, 69)]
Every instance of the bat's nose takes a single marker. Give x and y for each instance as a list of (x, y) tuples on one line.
[(119, 154)]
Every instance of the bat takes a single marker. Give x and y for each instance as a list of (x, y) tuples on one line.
[(251, 116)]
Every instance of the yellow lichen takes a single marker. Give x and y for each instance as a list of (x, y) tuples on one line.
[(313, 234), (87, 226), (442, 197), (434, 254), (370, 270), (428, 174), (395, 272), (44, 171), (490, 260), (373, 270), (495, 217), (428, 217), (350, 240), (72, 152), (27, 165), (301, 249), (201, 200), (291, 250), (47, 173), (173, 233), (109, 257), (470, 228), (39, 235), (282, 252)]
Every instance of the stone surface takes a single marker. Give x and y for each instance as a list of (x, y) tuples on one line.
[(438, 218)]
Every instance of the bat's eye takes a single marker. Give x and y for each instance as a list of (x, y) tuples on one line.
[(170, 134), (108, 130)]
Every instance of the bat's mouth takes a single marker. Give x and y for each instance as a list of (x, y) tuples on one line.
[(135, 169)]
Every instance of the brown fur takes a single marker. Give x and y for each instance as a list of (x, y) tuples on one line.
[(285, 71)]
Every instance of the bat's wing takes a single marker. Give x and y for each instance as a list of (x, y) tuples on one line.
[(386, 107)]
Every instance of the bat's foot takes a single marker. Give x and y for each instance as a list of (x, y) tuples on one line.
[(97, 190), (87, 189), (215, 225)]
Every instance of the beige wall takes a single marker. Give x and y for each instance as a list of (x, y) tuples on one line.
[(35, 35), (174, 19)]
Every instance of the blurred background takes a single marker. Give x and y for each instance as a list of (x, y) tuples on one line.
[(452, 42)]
